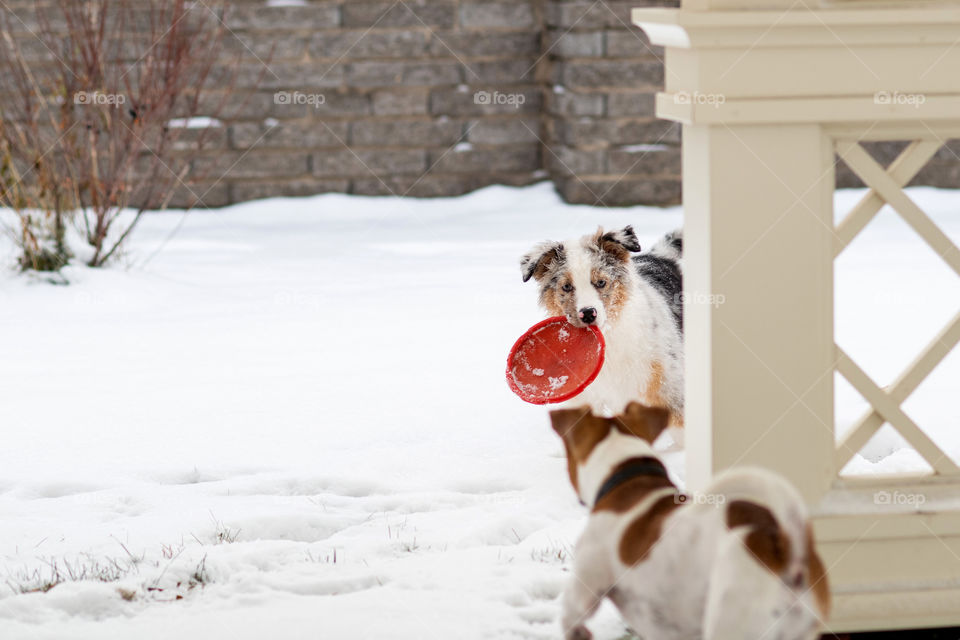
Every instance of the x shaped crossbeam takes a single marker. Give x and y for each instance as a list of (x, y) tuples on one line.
[(886, 187)]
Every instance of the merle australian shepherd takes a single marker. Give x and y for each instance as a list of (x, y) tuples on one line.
[(635, 298)]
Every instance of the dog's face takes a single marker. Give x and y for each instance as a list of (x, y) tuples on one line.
[(586, 280), (603, 442)]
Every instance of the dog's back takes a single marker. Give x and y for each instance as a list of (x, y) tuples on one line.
[(767, 579), (662, 267), (737, 563), (734, 563)]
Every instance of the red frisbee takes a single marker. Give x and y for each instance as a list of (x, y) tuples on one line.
[(554, 361)]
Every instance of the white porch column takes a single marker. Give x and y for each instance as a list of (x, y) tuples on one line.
[(758, 257), (768, 91)]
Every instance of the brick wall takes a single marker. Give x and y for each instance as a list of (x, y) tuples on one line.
[(396, 112), (441, 97), (605, 145)]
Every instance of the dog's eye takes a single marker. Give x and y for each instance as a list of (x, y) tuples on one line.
[(600, 284), (567, 287)]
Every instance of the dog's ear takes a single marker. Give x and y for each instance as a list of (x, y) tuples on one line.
[(580, 429), (564, 421), (643, 422), (619, 243), (538, 261), (575, 426)]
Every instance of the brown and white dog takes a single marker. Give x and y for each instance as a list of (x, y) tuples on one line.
[(635, 298), (738, 564)]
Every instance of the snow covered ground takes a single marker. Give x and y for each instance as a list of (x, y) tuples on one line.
[(288, 419)]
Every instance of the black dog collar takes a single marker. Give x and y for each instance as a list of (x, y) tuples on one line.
[(631, 469)]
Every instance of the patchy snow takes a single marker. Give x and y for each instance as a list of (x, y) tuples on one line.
[(292, 414), (643, 148), (196, 122)]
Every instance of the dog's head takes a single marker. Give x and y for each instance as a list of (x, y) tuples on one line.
[(586, 280), (595, 445)]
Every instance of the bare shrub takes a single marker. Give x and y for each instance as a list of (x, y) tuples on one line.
[(87, 131)]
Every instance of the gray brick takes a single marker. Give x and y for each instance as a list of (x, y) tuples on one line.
[(368, 44), (501, 72), (369, 163), (517, 14), (278, 75), (553, 74), (567, 161), (433, 185), (244, 191), (567, 103), (646, 160), (613, 73), (411, 13), (248, 105), (575, 44), (631, 43), (468, 44), (391, 102), (845, 177), (35, 50), (201, 194), (320, 101), (486, 160), (343, 103), (949, 151), (589, 131), (422, 133), (236, 165), (619, 193), (146, 165), (463, 101), (592, 15), (282, 104), (261, 18), (885, 152), (137, 20), (388, 74), (295, 135), (426, 186), (253, 46), (194, 139), (942, 174), (504, 131), (25, 20), (148, 174), (631, 104)]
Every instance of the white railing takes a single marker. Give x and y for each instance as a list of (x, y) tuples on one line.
[(769, 93)]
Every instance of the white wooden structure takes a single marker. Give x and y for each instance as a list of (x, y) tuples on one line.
[(768, 92)]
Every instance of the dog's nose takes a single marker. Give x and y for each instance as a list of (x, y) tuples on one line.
[(588, 315)]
